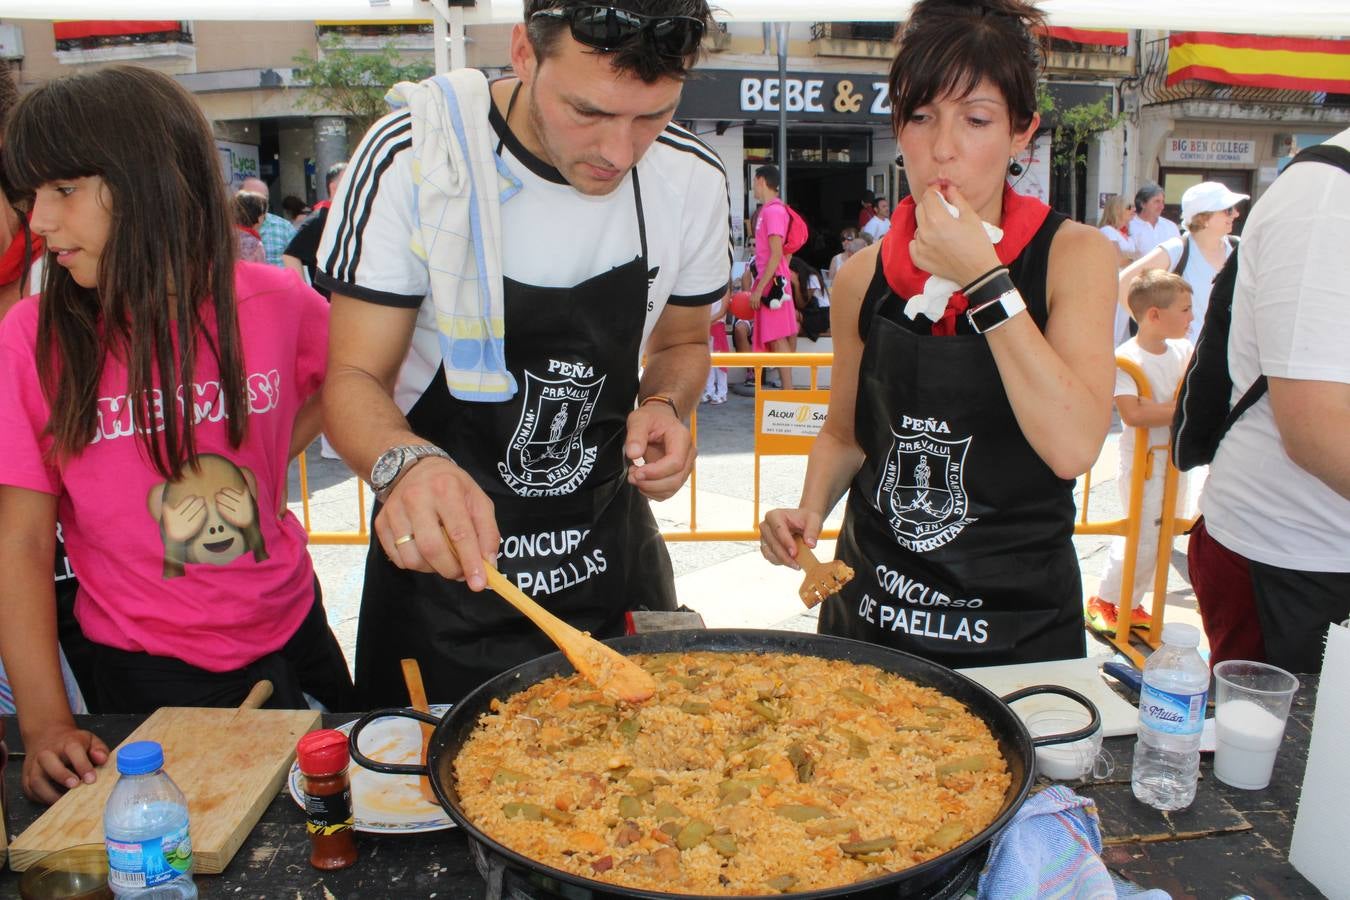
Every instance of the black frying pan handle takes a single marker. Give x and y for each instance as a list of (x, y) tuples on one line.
[(1047, 740), (375, 765)]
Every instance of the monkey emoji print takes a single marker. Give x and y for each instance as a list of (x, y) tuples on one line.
[(207, 517)]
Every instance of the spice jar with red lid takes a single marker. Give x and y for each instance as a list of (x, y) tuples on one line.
[(323, 758)]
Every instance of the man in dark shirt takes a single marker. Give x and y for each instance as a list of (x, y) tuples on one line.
[(302, 253)]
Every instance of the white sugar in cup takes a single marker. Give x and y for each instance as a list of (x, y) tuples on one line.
[(1064, 762), (1251, 705)]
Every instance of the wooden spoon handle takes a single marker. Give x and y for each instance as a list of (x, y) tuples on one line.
[(417, 695), (258, 696), (805, 558), (558, 631), (603, 666)]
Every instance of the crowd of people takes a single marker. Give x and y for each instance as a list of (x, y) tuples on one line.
[(516, 393)]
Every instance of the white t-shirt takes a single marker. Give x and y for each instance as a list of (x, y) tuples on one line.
[(1163, 371), (1120, 240), (1291, 319), (877, 227), (1199, 274), (1145, 236), (817, 290), (553, 235)]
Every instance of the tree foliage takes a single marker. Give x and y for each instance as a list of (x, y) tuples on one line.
[(353, 82), (1075, 126)]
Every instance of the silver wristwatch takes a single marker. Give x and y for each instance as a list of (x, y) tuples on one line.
[(394, 461)]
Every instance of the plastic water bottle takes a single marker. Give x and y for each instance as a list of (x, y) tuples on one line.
[(146, 829), (1171, 715)]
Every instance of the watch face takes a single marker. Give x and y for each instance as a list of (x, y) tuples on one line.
[(386, 468)]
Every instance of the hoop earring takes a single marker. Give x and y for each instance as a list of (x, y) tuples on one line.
[(1015, 168)]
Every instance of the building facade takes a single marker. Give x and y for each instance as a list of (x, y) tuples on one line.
[(840, 142)]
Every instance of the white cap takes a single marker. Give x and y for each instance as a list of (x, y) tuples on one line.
[(1179, 634), (1207, 196)]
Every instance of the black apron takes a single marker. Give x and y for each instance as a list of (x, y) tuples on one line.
[(575, 535), (960, 534)]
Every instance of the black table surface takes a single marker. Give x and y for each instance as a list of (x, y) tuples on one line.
[(1229, 841)]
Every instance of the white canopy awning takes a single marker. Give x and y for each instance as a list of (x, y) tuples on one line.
[(1321, 18)]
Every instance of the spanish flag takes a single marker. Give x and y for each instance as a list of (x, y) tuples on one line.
[(1095, 36), (1292, 64)]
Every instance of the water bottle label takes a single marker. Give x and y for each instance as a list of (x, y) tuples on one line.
[(141, 864), (1171, 713)]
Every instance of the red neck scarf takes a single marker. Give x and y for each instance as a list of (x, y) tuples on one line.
[(322, 204), (247, 230), (12, 260), (1022, 218)]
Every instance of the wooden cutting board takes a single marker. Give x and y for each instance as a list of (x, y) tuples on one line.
[(229, 762)]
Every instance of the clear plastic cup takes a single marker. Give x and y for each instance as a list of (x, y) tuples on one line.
[(1251, 704)]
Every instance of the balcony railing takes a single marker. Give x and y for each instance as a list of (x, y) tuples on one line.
[(1153, 87), (854, 31)]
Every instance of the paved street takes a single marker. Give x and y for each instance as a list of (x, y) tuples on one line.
[(728, 583)]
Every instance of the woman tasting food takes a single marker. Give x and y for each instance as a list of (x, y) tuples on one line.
[(959, 431)]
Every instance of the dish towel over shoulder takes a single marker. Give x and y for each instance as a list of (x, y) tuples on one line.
[(1052, 848), (459, 185)]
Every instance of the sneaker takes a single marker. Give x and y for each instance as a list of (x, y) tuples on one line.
[(1103, 616), (774, 383)]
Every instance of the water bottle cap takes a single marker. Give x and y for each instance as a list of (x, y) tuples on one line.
[(1179, 634), (140, 758), (322, 752)]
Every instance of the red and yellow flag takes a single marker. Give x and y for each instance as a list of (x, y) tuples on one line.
[(1097, 36), (1293, 64)]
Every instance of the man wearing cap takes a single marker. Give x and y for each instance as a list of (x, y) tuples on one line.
[(1270, 559), (1208, 211), (1149, 228), (544, 336)]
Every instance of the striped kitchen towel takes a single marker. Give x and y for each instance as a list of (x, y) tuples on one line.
[(1052, 848), (459, 185)]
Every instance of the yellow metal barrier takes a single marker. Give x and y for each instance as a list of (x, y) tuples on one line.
[(1145, 458), (793, 443)]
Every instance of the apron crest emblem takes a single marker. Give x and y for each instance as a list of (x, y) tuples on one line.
[(921, 490), (546, 456)]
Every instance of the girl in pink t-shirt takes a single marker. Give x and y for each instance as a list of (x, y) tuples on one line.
[(151, 399)]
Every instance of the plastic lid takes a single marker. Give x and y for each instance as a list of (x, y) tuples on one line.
[(140, 758), (1180, 634), (323, 752)]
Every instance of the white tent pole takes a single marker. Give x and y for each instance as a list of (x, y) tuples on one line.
[(448, 21), (440, 45)]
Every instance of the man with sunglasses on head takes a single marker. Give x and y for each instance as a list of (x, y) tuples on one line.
[(613, 243)]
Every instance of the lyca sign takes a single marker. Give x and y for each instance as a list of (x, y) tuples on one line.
[(859, 98), (1209, 150)]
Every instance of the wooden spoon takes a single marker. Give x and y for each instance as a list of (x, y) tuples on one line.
[(822, 579), (602, 666), (258, 695), (417, 694)]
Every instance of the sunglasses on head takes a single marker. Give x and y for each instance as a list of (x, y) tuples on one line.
[(608, 28)]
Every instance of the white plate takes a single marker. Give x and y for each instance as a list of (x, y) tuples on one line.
[(388, 804)]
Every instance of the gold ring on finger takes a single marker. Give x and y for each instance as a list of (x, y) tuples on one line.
[(399, 542)]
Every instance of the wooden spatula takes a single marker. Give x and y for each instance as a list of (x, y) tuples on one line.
[(417, 695), (822, 579), (602, 666)]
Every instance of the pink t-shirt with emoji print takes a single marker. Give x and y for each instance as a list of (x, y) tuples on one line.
[(210, 569)]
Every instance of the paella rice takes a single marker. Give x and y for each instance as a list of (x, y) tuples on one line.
[(746, 774)]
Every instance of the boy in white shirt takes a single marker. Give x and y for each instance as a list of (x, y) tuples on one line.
[(1161, 303)]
